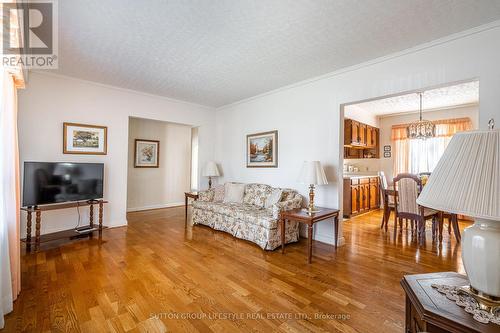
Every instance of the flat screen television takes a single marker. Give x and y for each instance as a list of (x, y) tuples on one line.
[(49, 182)]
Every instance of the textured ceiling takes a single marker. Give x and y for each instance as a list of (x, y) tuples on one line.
[(445, 97), (218, 52)]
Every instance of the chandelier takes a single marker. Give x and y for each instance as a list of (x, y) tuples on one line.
[(421, 129)]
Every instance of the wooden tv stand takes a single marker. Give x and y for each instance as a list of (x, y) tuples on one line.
[(70, 233)]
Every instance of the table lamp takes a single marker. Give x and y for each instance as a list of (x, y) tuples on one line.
[(211, 170), (466, 181), (312, 173)]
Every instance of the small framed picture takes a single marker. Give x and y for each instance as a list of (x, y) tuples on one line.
[(146, 153), (262, 150), (85, 139), (387, 148), (387, 154)]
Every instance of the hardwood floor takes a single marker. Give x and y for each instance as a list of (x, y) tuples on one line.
[(156, 275)]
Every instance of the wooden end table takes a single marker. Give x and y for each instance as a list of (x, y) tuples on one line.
[(427, 310), (193, 195), (302, 216)]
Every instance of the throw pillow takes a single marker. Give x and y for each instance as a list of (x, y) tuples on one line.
[(274, 197), (218, 193), (207, 195), (234, 192)]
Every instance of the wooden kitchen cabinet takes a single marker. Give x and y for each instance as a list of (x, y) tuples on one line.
[(351, 132), (355, 207), (369, 136), (374, 193), (362, 134), (360, 140), (361, 195)]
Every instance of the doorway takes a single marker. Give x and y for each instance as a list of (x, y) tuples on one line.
[(161, 179), (376, 146)]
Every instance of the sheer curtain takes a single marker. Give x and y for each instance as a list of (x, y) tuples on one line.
[(416, 155), (11, 78), (10, 275)]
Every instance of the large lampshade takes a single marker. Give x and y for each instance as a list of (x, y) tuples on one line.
[(312, 173), (211, 170), (466, 181)]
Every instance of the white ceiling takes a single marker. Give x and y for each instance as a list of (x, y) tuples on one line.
[(439, 98), (218, 52)]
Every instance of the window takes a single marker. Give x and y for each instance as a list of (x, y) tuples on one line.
[(416, 155)]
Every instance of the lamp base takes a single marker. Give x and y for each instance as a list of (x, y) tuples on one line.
[(311, 211), (486, 302), (481, 255)]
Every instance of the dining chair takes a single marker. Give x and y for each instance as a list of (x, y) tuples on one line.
[(389, 198), (451, 218), (424, 177), (409, 187)]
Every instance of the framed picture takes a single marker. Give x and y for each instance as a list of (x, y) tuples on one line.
[(147, 153), (387, 154), (387, 148), (262, 150), (85, 139)]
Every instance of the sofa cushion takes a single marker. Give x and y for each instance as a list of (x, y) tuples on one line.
[(273, 198), (256, 194), (234, 192), (218, 193), (207, 195), (244, 212)]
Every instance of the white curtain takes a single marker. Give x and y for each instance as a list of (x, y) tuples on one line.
[(11, 79), (10, 279), (425, 154)]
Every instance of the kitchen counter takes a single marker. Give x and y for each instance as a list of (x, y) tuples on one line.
[(358, 176)]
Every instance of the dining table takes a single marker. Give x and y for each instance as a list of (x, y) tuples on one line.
[(392, 191)]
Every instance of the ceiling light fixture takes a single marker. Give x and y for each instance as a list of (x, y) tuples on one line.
[(421, 129)]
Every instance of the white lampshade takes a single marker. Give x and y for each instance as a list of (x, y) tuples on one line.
[(312, 173), (211, 170), (466, 179)]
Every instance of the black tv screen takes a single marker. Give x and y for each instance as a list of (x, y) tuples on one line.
[(48, 183)]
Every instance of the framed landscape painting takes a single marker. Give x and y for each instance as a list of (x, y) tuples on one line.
[(262, 150), (85, 139), (147, 153)]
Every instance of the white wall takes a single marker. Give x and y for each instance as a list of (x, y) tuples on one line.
[(150, 188), (307, 114), (50, 100), (386, 123)]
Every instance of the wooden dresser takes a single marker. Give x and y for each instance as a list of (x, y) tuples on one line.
[(361, 194)]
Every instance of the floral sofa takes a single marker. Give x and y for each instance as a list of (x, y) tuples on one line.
[(253, 219)]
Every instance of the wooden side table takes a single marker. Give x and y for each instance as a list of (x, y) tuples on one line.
[(302, 216), (427, 310), (187, 195)]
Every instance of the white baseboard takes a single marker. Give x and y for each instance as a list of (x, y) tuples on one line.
[(138, 209), (329, 240)]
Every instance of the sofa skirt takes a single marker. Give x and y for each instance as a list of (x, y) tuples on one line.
[(267, 239)]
